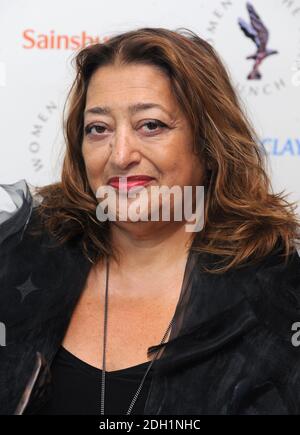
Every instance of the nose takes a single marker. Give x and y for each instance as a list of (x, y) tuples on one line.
[(125, 151)]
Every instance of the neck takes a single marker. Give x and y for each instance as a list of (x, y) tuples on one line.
[(141, 248)]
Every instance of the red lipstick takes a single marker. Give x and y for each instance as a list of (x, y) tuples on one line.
[(126, 183)]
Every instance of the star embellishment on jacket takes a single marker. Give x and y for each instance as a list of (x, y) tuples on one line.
[(26, 288)]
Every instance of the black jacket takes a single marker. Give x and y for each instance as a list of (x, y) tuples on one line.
[(233, 348)]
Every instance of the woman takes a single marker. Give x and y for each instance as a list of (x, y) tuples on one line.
[(132, 316)]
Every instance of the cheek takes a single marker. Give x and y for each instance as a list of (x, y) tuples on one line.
[(184, 172), (94, 164), (172, 173)]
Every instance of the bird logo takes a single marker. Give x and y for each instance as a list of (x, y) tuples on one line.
[(259, 34)]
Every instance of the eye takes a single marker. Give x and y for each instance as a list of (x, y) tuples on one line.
[(153, 125), (98, 129)]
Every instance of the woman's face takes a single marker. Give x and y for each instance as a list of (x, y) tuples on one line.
[(133, 125)]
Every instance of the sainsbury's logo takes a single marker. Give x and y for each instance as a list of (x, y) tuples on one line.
[(55, 41)]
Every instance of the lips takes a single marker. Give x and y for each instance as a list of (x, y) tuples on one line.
[(129, 182)]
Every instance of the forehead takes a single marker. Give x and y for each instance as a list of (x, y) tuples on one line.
[(110, 83)]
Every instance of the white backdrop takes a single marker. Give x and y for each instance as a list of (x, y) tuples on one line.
[(35, 72)]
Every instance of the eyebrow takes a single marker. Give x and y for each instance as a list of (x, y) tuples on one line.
[(134, 108)]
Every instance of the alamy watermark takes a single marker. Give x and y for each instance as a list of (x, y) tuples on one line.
[(2, 334), (141, 203), (296, 337)]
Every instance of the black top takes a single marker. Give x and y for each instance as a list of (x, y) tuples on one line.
[(76, 388)]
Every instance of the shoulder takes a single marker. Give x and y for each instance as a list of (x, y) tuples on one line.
[(14, 222), (27, 250), (35, 270), (272, 289)]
